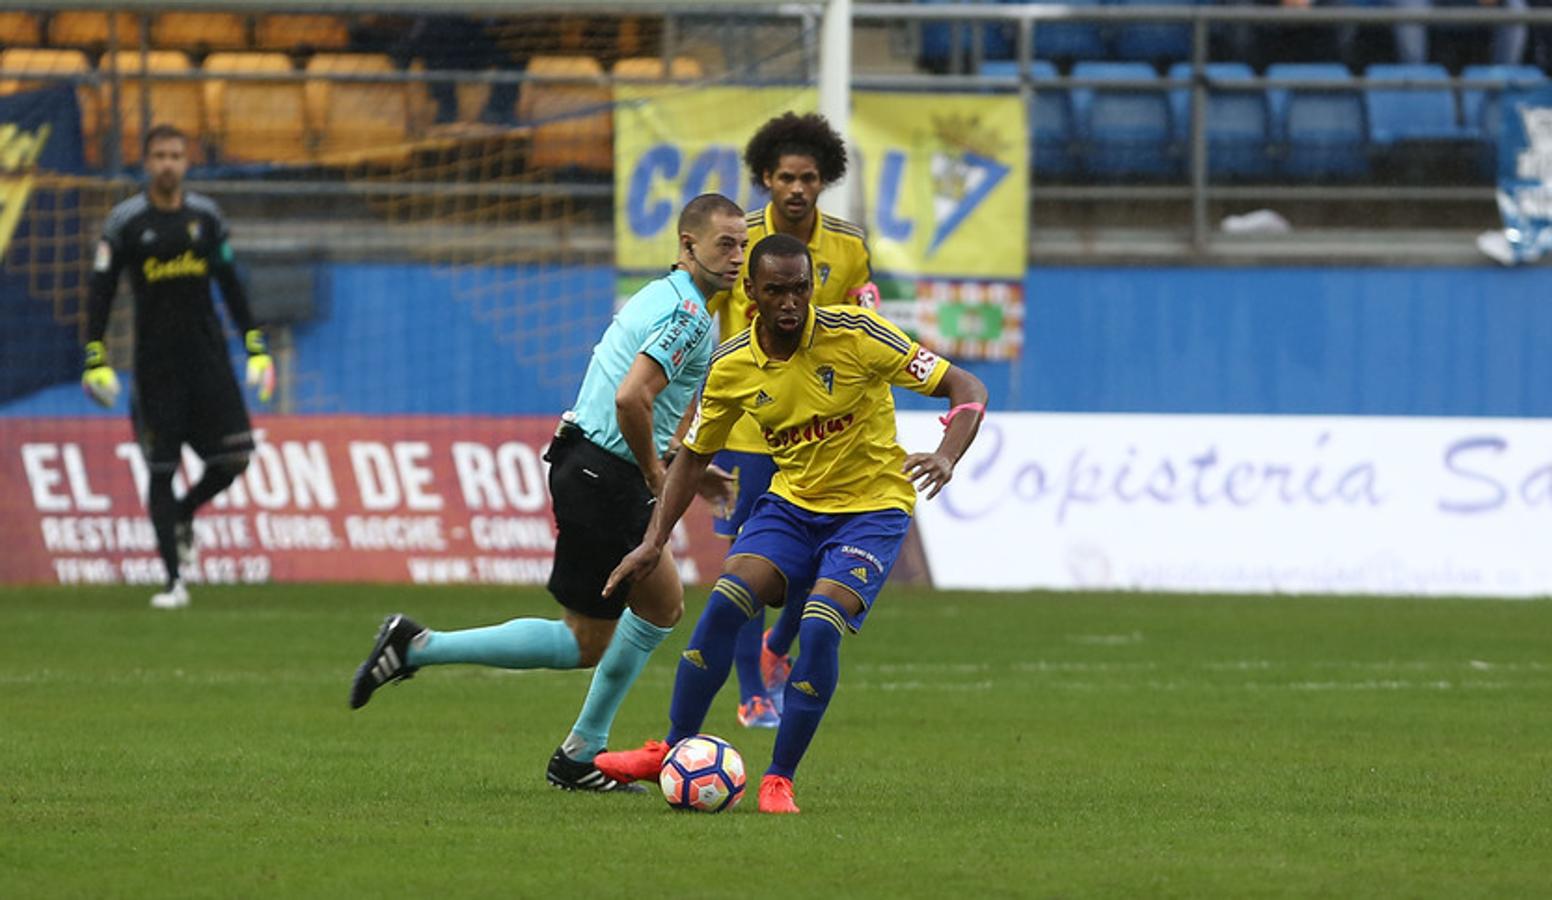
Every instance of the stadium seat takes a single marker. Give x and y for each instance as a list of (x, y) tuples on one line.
[(356, 117), (1322, 131), (572, 123), (20, 29), (179, 103), (1480, 113), (1410, 114), (1238, 131), (1050, 118), (938, 39), (296, 32), (256, 121), (80, 28), (65, 63), (1124, 131), (1070, 40), (201, 31), (1153, 41), (650, 68)]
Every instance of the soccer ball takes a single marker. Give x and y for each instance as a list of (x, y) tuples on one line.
[(702, 773)]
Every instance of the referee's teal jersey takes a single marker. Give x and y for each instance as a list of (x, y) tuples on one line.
[(667, 321)]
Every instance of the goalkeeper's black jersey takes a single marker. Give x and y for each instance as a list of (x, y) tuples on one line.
[(171, 257)]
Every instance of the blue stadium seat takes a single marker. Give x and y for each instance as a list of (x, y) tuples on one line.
[(1125, 131), (1322, 132), (1070, 40), (1480, 114), (998, 39), (1410, 114), (1238, 130), (1153, 41), (1051, 135)]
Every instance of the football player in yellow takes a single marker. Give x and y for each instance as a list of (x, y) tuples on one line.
[(817, 384), (794, 158)]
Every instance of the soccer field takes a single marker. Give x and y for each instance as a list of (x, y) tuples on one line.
[(1002, 745)]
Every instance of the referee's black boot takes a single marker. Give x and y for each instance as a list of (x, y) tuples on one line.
[(388, 661), (571, 775)]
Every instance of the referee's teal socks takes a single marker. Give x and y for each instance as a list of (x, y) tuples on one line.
[(634, 640), (518, 644)]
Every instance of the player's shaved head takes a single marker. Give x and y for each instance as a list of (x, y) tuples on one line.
[(778, 245), (698, 213)]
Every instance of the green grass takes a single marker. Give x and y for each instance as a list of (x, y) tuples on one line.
[(1031, 745)]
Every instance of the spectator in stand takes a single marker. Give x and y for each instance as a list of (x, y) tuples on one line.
[(1460, 45), (1262, 45)]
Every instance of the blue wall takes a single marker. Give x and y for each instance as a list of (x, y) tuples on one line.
[(1382, 341)]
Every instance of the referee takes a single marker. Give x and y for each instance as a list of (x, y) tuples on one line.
[(173, 242), (606, 471)]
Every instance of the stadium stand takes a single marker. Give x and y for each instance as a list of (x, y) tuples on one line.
[(89, 30), (572, 123), (179, 103), (200, 32), (1238, 127), (356, 118), (1410, 114), (1322, 130), (256, 120), (20, 29), (1124, 131), (282, 31), (1153, 41), (1066, 41), (70, 63)]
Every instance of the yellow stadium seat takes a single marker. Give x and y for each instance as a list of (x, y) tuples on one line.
[(179, 103), (20, 29), (63, 62), (650, 68), (256, 120), (79, 28), (356, 117), (573, 125), (202, 30), (289, 32)]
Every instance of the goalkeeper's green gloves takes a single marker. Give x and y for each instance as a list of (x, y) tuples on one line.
[(99, 380), (261, 368)]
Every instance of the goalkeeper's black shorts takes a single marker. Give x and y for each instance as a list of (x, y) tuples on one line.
[(199, 407), (602, 509)]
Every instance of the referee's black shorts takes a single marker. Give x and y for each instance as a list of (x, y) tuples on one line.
[(199, 406), (602, 508)]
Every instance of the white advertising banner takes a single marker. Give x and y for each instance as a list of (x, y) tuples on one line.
[(1260, 504)]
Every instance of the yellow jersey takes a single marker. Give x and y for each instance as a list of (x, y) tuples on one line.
[(840, 264), (826, 415)]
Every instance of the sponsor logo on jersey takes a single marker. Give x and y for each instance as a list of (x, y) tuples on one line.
[(184, 265), (104, 258), (859, 553), (815, 429), (824, 273), (148, 236), (762, 398), (860, 574), (193, 229), (827, 378)]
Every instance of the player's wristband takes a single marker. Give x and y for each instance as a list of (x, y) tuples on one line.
[(96, 355), (668, 456), (979, 408), (253, 341)]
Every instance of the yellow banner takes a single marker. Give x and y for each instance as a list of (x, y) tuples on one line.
[(945, 176), (947, 182), (672, 144)]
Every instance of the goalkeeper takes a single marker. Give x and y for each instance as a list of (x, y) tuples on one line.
[(173, 242)]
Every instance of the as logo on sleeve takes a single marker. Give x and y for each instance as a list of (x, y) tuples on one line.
[(922, 365)]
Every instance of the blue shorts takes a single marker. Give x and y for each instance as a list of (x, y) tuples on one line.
[(854, 550), (752, 473)]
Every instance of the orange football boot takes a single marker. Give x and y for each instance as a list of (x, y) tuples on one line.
[(626, 766), (776, 795)]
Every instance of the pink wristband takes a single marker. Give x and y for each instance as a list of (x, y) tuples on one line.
[(978, 407)]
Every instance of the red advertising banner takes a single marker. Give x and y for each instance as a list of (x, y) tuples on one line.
[(422, 499)]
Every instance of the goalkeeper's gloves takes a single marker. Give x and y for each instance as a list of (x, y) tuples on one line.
[(261, 368), (866, 296), (99, 380)]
